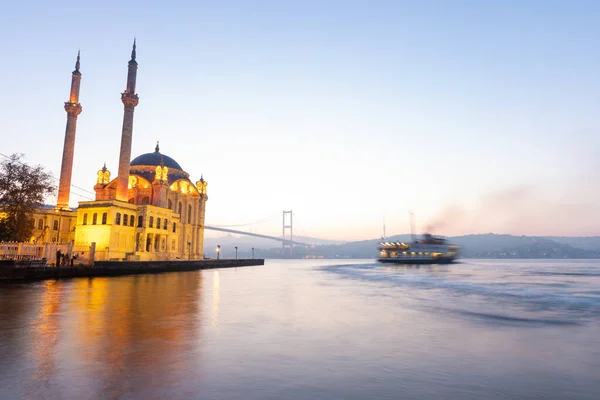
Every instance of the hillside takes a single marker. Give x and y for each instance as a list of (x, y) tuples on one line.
[(472, 246), (508, 246)]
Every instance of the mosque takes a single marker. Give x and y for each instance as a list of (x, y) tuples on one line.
[(150, 211)]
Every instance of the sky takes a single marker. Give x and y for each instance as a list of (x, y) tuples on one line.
[(477, 116)]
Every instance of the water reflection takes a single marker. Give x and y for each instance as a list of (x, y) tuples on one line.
[(45, 331), (111, 336), (216, 297), (134, 329), (296, 330)]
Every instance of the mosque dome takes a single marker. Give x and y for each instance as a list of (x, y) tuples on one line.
[(155, 159)]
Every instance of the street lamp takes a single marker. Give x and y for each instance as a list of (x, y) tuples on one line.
[(218, 250), (253, 253), (189, 251), (236, 252)]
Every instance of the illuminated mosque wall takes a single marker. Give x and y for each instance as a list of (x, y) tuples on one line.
[(150, 211)]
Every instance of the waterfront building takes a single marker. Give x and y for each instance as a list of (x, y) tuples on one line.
[(151, 210)]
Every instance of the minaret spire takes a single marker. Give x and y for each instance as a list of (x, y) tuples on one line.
[(133, 51), (130, 99), (77, 65), (73, 109)]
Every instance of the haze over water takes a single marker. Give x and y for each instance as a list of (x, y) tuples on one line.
[(309, 330)]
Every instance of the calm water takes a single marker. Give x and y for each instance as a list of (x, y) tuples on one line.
[(309, 330)]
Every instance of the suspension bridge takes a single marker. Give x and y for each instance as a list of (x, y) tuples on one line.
[(258, 235), (286, 238)]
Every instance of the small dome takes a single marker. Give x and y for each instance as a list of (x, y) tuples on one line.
[(155, 159)]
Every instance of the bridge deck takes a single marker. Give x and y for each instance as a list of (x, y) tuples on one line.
[(214, 228)]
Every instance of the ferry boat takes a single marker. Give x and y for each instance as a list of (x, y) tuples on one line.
[(428, 250)]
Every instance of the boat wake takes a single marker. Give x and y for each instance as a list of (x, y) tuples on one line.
[(510, 320), (506, 295)]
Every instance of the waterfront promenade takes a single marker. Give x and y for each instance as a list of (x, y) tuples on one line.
[(13, 270)]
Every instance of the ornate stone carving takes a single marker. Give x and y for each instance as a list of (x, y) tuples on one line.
[(73, 109), (132, 181), (103, 176), (162, 173), (201, 185), (130, 100)]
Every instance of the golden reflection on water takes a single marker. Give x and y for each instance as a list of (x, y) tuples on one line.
[(46, 331), (127, 333), (139, 324)]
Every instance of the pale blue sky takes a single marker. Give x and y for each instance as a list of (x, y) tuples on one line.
[(343, 111)]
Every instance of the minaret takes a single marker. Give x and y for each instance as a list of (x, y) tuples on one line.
[(73, 109), (201, 186), (130, 100)]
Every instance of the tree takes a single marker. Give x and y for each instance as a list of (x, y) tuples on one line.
[(23, 188)]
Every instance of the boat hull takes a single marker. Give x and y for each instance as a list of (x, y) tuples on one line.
[(406, 260)]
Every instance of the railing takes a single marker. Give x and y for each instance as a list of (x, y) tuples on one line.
[(69, 253), (21, 251)]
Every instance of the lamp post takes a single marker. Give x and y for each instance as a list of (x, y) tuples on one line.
[(218, 250), (253, 253), (189, 251), (236, 252)]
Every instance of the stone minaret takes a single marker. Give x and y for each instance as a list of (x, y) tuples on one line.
[(201, 185), (130, 100), (73, 109)]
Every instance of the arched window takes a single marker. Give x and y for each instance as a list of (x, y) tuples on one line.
[(180, 208), (85, 219), (165, 224), (95, 219), (174, 227), (140, 221), (189, 214), (41, 223), (150, 222), (146, 200), (170, 204), (125, 218), (131, 200), (104, 218), (55, 226), (157, 223), (131, 220)]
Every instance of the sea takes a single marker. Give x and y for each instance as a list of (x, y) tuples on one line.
[(309, 329)]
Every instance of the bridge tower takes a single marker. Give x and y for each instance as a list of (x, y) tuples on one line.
[(287, 233)]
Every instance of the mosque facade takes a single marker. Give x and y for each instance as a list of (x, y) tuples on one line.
[(151, 210)]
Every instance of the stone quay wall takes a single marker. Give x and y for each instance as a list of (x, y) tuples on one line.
[(15, 270)]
